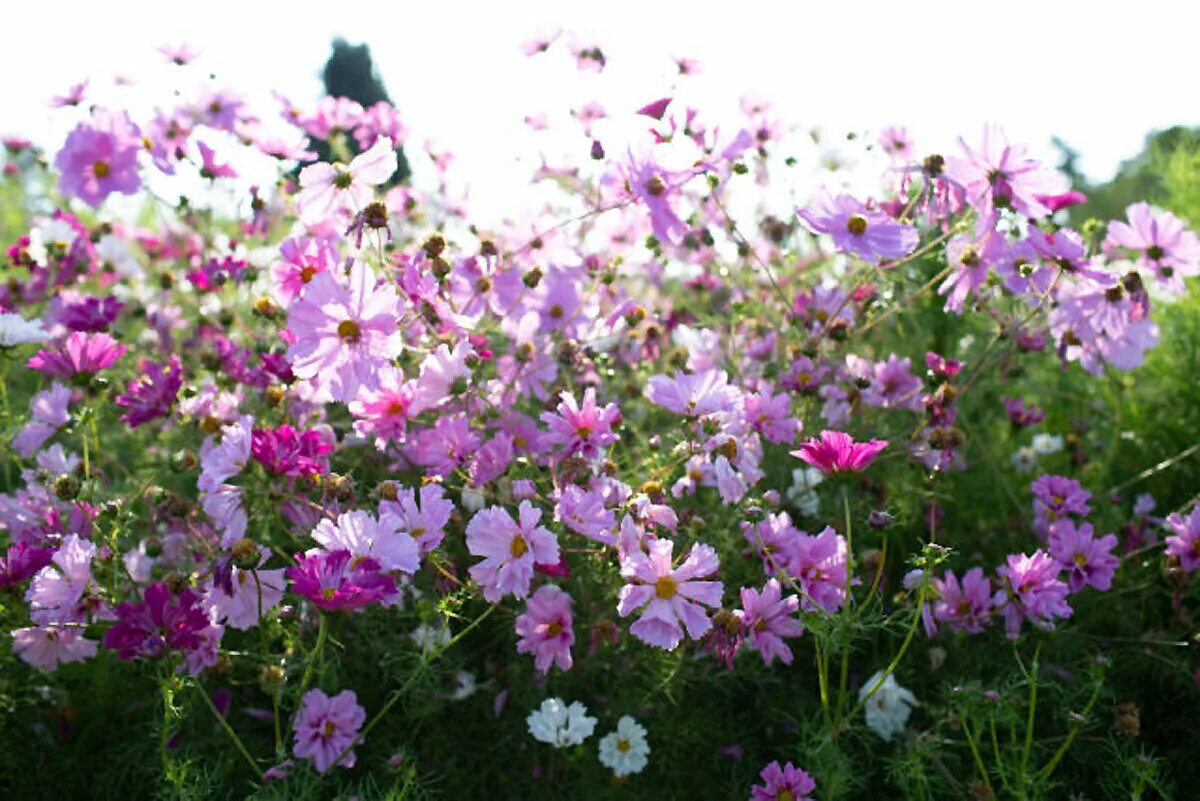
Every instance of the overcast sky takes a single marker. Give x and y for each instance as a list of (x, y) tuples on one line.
[(1098, 79)]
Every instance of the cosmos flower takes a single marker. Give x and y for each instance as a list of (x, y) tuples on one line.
[(80, 354), (510, 549), (836, 452), (325, 727), (546, 630), (671, 596), (767, 618), (786, 783), (889, 706), (100, 157), (870, 235), (559, 724), (626, 750), (328, 190)]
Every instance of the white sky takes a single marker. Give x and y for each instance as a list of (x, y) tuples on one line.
[(1099, 79)]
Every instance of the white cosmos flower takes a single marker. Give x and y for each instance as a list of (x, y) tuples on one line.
[(888, 710), (1046, 444), (561, 725), (16, 330), (327, 190), (625, 750)]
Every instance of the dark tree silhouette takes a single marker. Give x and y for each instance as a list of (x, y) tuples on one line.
[(350, 72)]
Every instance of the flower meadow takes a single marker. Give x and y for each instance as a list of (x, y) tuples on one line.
[(701, 475)]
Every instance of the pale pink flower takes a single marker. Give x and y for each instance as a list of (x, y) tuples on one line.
[(327, 190), (546, 628), (670, 595), (510, 549)]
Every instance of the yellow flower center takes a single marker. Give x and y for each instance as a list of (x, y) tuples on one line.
[(417, 533), (785, 795), (554, 629), (857, 224), (348, 331), (101, 169), (623, 745), (665, 588), (328, 593), (518, 548), (307, 274)]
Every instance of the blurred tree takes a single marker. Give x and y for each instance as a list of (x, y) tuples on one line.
[(350, 72)]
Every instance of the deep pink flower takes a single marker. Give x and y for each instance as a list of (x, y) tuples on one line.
[(546, 628), (161, 623), (1022, 414), (1086, 559), (152, 393), (767, 618), (870, 235), (788, 783), (581, 428), (670, 595), (339, 581), (284, 451), (301, 260), (325, 727), (86, 313), (80, 354), (344, 334), (1030, 590), (1185, 542), (100, 157), (509, 549), (21, 562), (836, 452), (656, 109)]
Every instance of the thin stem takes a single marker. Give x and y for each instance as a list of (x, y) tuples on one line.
[(1033, 687), (322, 633), (912, 630), (237, 741), (996, 752), (846, 614), (978, 759), (1045, 772)]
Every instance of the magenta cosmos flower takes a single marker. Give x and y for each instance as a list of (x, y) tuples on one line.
[(345, 334), (161, 623), (152, 393), (80, 354), (509, 549), (330, 189), (787, 783), (1030, 590), (767, 618), (963, 606), (836, 452), (870, 235), (1185, 543), (325, 727), (99, 158), (546, 629), (670, 595), (1086, 559), (339, 581)]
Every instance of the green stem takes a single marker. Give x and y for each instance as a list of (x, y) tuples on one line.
[(1033, 687), (237, 741), (846, 615), (398, 694), (996, 753), (322, 633), (975, 753), (912, 631)]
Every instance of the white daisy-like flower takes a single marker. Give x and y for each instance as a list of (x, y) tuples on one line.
[(16, 330), (1025, 459), (431, 638), (559, 724), (888, 710), (625, 750), (113, 250), (1046, 444), (803, 493)]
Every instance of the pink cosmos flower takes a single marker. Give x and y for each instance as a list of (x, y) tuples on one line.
[(546, 628), (819, 564), (383, 413), (767, 618), (670, 595), (63, 593), (363, 536), (254, 594), (894, 385), (301, 259), (1000, 175), (585, 512), (656, 187), (1030, 590), (771, 415), (788, 783), (1162, 241), (99, 158), (50, 412), (694, 395), (284, 451), (1022, 414), (325, 727), (509, 549), (836, 452), (180, 56), (49, 646), (1185, 543), (210, 168), (449, 445), (80, 354), (870, 235), (22, 561), (327, 190), (896, 142), (425, 525), (1086, 559), (584, 429), (344, 334), (966, 606), (339, 581)]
